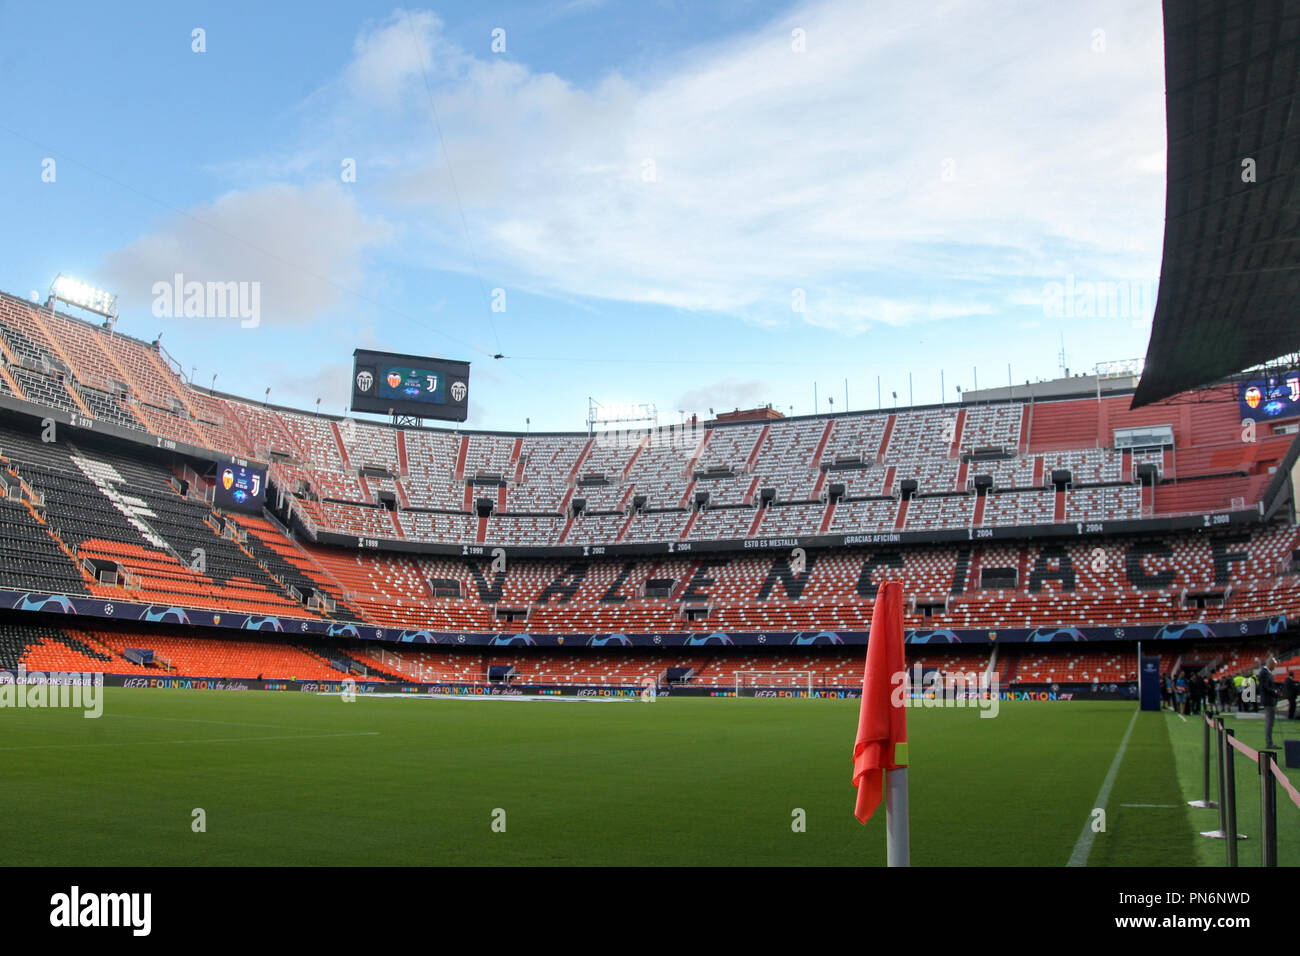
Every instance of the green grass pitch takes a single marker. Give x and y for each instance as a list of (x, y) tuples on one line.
[(312, 780)]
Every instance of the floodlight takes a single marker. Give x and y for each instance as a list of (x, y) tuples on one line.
[(84, 296)]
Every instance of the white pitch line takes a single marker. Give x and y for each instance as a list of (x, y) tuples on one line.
[(197, 720), (1083, 846), (1154, 806), (200, 740)]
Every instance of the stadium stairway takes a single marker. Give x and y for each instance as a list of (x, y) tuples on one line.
[(34, 555), (103, 642), (59, 542), (334, 659), (1007, 665), (280, 551), (373, 665), (16, 642), (343, 661), (59, 652)]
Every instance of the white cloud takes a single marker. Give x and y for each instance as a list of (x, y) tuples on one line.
[(392, 59), (913, 164), (905, 147), (304, 245), (724, 395), (331, 383), (853, 314)]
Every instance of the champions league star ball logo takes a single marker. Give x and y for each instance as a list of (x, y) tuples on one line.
[(365, 381), (458, 391), (227, 479)]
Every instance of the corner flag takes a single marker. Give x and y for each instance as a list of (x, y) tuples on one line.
[(881, 744)]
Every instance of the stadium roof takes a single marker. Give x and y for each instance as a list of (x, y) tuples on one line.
[(1230, 278)]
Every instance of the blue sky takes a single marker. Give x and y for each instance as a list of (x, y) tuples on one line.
[(693, 205)]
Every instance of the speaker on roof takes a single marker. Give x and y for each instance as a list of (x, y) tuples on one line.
[(982, 484), (1148, 473), (1061, 477), (907, 487), (483, 506), (766, 496)]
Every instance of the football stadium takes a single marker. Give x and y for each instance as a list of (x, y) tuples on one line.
[(1060, 609)]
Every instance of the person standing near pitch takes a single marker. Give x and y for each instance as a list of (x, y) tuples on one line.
[(1268, 699)]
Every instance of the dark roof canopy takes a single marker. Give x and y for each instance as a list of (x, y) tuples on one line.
[(1230, 278)]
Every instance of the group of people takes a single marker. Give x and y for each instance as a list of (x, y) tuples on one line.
[(1249, 692)]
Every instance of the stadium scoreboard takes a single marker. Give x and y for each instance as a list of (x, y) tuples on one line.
[(1275, 397), (240, 486), (414, 385)]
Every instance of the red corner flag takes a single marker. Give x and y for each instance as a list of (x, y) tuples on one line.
[(882, 725)]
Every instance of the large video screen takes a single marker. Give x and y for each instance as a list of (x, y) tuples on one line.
[(1275, 397), (414, 385), (241, 486)]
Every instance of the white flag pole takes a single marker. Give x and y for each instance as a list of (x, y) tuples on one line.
[(898, 844)]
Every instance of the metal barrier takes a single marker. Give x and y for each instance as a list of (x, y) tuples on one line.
[(1270, 775)]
